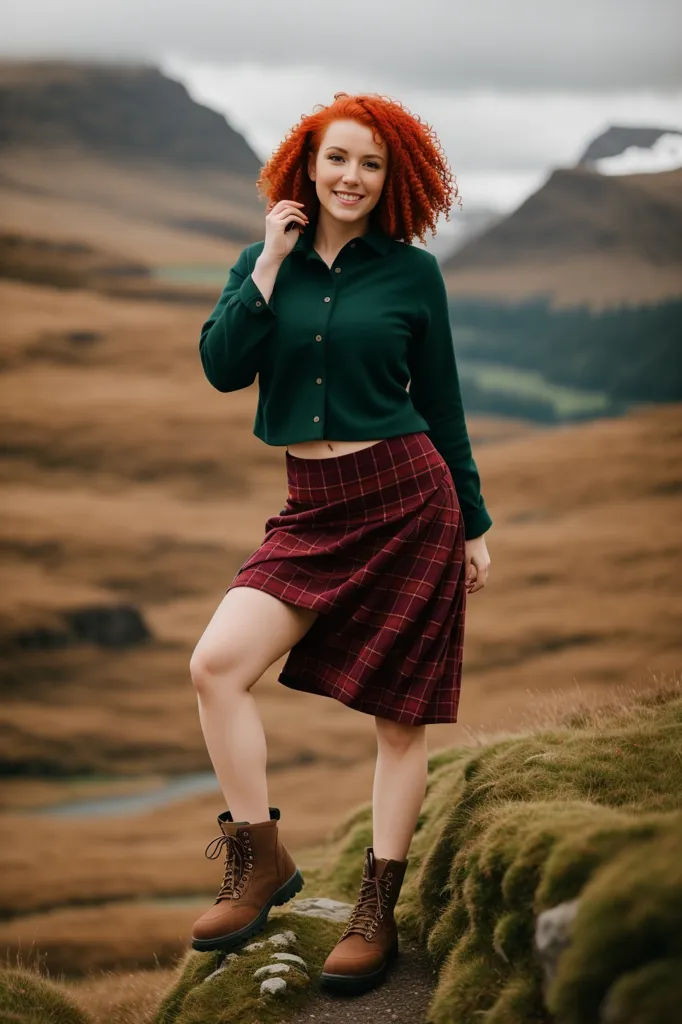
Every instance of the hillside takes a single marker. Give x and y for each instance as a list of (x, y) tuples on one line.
[(582, 238), (117, 110)]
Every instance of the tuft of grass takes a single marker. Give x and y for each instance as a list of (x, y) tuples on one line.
[(28, 998)]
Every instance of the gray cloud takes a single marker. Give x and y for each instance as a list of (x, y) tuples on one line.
[(584, 46)]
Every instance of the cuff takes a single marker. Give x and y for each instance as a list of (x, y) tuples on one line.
[(252, 297), (476, 523)]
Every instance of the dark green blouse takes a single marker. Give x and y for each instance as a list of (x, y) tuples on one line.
[(335, 350)]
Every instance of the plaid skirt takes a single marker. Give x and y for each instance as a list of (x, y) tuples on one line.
[(374, 542)]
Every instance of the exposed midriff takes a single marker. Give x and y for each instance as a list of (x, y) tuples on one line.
[(326, 449)]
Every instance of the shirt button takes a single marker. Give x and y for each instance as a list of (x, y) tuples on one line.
[(318, 337), (352, 245), (338, 270), (258, 302), (319, 380), (327, 298), (316, 419)]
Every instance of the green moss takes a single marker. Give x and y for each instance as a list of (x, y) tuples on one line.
[(232, 997), (628, 919), (650, 994), (28, 998), (510, 829)]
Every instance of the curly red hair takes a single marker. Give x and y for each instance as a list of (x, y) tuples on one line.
[(419, 183)]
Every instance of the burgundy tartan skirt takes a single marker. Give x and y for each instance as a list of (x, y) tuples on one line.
[(374, 542)]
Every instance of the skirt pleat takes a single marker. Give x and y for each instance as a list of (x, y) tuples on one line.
[(374, 542)]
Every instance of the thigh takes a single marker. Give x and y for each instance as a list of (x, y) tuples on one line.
[(250, 630)]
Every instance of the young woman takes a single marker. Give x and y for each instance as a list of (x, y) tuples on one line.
[(362, 577)]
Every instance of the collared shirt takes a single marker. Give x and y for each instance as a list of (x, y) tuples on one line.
[(336, 348)]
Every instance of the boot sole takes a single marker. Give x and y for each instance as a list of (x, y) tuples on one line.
[(285, 893), (356, 984)]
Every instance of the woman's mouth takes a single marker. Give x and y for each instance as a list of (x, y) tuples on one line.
[(348, 198)]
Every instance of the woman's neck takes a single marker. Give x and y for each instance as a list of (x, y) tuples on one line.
[(331, 234)]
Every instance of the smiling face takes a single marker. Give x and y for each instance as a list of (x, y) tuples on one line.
[(349, 171)]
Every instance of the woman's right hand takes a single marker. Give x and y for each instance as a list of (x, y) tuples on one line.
[(278, 241)]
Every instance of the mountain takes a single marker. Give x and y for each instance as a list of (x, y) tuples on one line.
[(109, 173), (583, 237), (131, 111), (578, 212), (616, 139)]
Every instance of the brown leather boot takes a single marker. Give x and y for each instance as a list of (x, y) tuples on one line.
[(259, 874), (369, 943)]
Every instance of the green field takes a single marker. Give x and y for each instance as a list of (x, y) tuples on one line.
[(568, 402)]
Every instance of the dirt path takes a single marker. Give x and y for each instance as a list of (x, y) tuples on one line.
[(402, 999)]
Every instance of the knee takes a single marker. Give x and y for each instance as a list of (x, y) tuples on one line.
[(211, 671), (399, 737)]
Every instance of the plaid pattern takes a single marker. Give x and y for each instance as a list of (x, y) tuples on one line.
[(374, 542)]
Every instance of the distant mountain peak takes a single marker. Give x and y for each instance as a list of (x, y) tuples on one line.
[(130, 111), (627, 150)]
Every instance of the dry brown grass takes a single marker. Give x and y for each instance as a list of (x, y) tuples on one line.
[(126, 997)]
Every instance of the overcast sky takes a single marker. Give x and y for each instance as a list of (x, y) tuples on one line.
[(513, 87)]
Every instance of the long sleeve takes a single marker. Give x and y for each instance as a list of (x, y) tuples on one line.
[(231, 338), (435, 394)]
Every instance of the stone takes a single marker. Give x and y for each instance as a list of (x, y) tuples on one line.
[(320, 906), (553, 936), (290, 958), (282, 939), (272, 969), (224, 964), (254, 945), (273, 987)]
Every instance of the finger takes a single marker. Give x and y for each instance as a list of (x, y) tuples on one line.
[(291, 222), (286, 215), (287, 202)]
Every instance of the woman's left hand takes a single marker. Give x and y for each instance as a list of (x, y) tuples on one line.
[(477, 562)]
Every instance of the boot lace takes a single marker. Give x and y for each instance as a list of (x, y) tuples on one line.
[(370, 906), (238, 862)]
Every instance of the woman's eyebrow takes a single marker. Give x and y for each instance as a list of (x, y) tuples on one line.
[(374, 156)]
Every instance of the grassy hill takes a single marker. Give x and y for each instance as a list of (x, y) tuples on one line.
[(586, 807)]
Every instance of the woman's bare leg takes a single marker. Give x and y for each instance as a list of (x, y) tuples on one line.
[(248, 632), (399, 786)]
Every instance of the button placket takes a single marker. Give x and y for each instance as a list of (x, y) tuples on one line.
[(319, 337)]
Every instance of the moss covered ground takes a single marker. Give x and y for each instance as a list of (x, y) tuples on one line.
[(589, 808)]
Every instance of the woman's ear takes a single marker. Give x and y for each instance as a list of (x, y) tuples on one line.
[(312, 160)]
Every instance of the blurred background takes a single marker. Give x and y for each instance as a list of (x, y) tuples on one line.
[(131, 136)]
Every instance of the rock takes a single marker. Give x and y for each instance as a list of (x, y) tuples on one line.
[(553, 935), (224, 964), (290, 958), (282, 939), (253, 945), (320, 906), (272, 969), (273, 987)]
